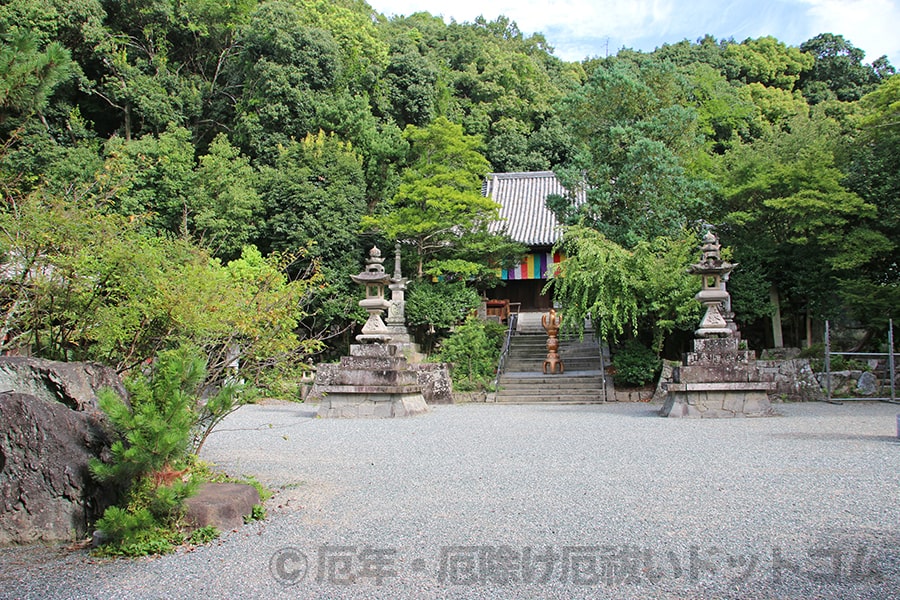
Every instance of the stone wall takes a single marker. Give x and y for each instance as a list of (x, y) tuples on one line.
[(858, 384), (794, 379)]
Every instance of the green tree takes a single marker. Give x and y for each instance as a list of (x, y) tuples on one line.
[(724, 113), (154, 426), (872, 164), (473, 350), (439, 305), (155, 435), (29, 74), (510, 149), (212, 200), (595, 283), (707, 51), (69, 23), (286, 71), (622, 291), (478, 258), (638, 144), (137, 77), (204, 37), (315, 197), (439, 198), (838, 71), (767, 61), (93, 286), (665, 291), (352, 24), (411, 83), (157, 178), (488, 72), (225, 198), (790, 218)]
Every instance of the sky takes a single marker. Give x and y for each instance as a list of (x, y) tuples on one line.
[(579, 29)]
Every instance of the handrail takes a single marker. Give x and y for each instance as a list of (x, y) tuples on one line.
[(602, 365), (504, 352)]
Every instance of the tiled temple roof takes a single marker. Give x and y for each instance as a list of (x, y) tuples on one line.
[(523, 207)]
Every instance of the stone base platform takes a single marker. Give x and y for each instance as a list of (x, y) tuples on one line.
[(336, 404), (717, 400), (374, 381)]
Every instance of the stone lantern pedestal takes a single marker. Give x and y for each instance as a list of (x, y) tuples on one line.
[(717, 379), (375, 380)]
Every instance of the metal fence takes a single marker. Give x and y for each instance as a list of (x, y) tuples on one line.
[(887, 371)]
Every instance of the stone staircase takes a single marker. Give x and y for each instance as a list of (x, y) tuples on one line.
[(523, 380)]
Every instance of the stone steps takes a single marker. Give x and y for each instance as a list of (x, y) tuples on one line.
[(534, 365), (523, 379), (578, 387)]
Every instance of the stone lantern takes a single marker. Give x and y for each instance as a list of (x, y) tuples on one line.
[(375, 380), (717, 379), (714, 272), (374, 279)]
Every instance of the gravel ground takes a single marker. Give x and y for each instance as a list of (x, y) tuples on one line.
[(574, 501)]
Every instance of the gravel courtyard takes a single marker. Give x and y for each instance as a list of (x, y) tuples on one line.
[(526, 501)]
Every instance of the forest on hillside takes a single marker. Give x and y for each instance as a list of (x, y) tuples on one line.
[(211, 172)]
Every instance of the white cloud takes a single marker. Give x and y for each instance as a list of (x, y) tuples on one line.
[(867, 24), (581, 28), (579, 17)]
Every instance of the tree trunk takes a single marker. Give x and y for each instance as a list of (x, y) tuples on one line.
[(809, 332), (777, 336)]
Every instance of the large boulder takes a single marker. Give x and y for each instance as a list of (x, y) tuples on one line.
[(46, 490), (50, 428), (74, 384)]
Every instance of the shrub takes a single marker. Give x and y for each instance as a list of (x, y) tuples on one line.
[(837, 362), (148, 524), (635, 364), (439, 304), (134, 533), (150, 459), (813, 351), (473, 350)]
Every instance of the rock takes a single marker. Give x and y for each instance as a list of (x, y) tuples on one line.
[(842, 382), (99, 538), (222, 505), (794, 379), (50, 428), (46, 490), (437, 388), (665, 378), (73, 384), (867, 384)]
